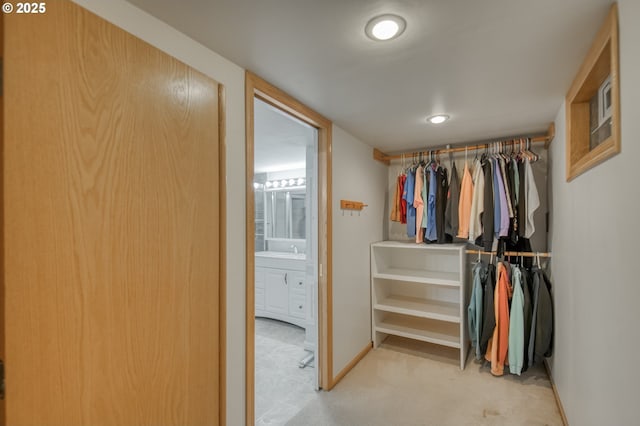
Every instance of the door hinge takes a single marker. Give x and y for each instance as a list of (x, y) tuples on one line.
[(320, 270)]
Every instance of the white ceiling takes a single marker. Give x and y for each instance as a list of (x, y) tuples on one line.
[(498, 67), (280, 140)]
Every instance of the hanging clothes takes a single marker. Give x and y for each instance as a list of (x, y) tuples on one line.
[(425, 199), (532, 199), (396, 208), (527, 315), (418, 203), (541, 338), (522, 201), (451, 215), (497, 346), (477, 203), (466, 199), (475, 307), (431, 233), (511, 170), (408, 196), (487, 217), (516, 324), (403, 202), (441, 203), (505, 181), (488, 311), (501, 218)]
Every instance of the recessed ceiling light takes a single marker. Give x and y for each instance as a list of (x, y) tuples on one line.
[(438, 119), (385, 27)]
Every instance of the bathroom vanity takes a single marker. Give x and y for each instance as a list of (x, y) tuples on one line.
[(281, 290)]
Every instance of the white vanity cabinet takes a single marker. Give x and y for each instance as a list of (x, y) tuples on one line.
[(280, 288)]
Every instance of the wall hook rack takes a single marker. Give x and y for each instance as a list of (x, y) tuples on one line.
[(352, 205)]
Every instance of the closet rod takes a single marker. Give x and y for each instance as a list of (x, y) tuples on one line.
[(512, 253), (385, 158)]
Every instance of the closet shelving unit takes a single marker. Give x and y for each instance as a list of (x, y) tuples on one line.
[(418, 292)]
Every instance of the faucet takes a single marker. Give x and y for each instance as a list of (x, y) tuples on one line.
[(295, 248)]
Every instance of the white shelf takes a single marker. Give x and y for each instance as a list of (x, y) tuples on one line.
[(419, 292), (420, 276), (413, 245), (441, 333), (423, 308)]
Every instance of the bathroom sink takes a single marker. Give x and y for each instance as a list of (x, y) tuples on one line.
[(281, 255)]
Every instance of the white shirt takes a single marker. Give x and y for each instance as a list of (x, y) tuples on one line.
[(477, 202), (532, 199)]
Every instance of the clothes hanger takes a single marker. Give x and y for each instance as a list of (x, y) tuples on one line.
[(535, 156)]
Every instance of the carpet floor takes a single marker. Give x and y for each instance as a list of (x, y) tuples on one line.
[(408, 383)]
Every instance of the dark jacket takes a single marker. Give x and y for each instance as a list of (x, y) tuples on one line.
[(526, 290), (451, 219), (488, 311), (541, 338), (487, 215), (441, 204)]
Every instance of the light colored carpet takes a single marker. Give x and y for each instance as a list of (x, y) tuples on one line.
[(282, 388), (405, 383)]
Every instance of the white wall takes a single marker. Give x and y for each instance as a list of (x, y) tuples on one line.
[(176, 44), (594, 238), (357, 177)]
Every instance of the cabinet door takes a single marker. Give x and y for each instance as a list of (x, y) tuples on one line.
[(259, 293), (277, 291)]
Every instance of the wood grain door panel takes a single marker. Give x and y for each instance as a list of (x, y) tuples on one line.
[(111, 229)]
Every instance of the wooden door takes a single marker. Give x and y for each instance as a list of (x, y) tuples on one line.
[(111, 227)]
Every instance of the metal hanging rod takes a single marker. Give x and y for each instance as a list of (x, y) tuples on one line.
[(385, 158), (511, 253)]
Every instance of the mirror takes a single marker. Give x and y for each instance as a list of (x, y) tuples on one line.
[(285, 214)]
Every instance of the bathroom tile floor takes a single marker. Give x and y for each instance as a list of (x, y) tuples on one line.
[(282, 389)]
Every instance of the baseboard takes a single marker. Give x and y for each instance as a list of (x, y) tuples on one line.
[(351, 364), (555, 393)]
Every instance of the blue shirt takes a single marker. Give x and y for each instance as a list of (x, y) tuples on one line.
[(409, 189), (496, 198)]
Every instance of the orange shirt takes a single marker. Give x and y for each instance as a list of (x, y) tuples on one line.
[(464, 205), (497, 348), (418, 202)]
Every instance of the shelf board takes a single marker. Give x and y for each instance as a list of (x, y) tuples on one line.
[(420, 276), (417, 246), (440, 333), (423, 308)]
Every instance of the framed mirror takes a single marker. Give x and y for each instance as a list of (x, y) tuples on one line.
[(285, 214)]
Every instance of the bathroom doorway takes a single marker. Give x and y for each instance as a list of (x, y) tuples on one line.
[(288, 272), (285, 175)]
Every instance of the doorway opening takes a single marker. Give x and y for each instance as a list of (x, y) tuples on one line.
[(285, 194), (288, 252)]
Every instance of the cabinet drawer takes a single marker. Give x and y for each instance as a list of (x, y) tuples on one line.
[(259, 296), (297, 306), (297, 282)]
